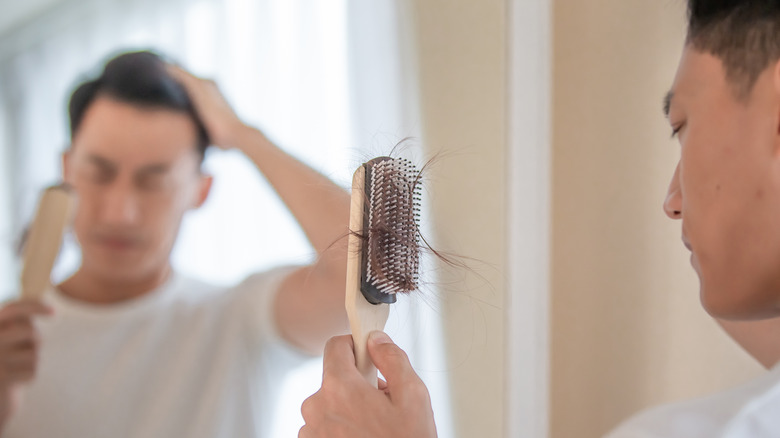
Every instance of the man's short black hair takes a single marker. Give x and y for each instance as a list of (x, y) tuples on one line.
[(743, 34), (138, 78)]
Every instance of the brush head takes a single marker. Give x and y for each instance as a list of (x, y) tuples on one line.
[(391, 247)]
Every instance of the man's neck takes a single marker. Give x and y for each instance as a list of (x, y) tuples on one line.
[(96, 289)]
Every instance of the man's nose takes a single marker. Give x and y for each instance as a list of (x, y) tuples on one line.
[(673, 201), (120, 205)]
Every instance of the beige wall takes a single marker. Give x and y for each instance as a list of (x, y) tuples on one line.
[(461, 59), (627, 328)]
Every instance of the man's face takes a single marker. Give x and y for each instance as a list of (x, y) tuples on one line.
[(136, 172), (726, 188)]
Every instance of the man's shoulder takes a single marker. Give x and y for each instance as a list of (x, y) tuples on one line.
[(748, 410)]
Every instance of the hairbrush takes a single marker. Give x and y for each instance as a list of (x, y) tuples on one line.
[(44, 239), (384, 249)]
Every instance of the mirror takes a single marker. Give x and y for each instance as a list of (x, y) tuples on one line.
[(616, 325)]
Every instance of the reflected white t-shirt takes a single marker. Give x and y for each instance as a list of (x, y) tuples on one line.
[(186, 360), (751, 410)]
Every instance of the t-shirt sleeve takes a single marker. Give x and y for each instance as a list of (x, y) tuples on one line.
[(254, 301)]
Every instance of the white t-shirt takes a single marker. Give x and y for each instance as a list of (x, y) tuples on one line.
[(187, 360), (751, 410)]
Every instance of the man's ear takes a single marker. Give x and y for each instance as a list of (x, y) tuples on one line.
[(776, 80), (66, 158), (776, 76), (773, 104), (204, 190), (776, 101)]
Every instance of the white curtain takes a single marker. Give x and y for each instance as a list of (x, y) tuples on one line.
[(331, 82)]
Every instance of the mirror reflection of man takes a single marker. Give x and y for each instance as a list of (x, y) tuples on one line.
[(724, 108), (130, 348)]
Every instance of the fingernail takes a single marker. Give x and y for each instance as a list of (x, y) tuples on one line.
[(378, 337)]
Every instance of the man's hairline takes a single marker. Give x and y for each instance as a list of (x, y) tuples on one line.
[(144, 106), (740, 90)]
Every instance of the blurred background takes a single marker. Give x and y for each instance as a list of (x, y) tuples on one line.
[(580, 307)]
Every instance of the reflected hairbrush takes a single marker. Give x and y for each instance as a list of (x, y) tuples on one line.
[(384, 249), (44, 239)]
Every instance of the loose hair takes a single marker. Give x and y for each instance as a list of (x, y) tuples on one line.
[(743, 34), (138, 78)]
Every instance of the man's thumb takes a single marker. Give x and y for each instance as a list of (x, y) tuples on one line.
[(389, 359)]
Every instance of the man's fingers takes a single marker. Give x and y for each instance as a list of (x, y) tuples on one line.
[(389, 358), (309, 410), (394, 364), (339, 358), (24, 374), (20, 356), (179, 73), (24, 309), (192, 83), (18, 336), (18, 365), (195, 86)]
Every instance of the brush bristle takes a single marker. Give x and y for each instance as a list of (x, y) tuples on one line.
[(393, 249)]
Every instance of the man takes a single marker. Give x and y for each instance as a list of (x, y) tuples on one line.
[(724, 106), (129, 348)]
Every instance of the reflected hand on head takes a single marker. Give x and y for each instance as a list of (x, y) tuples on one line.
[(347, 406), (215, 112)]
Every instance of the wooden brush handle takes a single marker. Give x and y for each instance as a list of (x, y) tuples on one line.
[(364, 317), (44, 239)]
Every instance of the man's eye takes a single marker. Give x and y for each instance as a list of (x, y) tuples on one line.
[(676, 130), (100, 176), (151, 182)]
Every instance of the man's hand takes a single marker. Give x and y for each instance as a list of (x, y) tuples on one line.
[(221, 122), (19, 341), (347, 406), (18, 349)]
